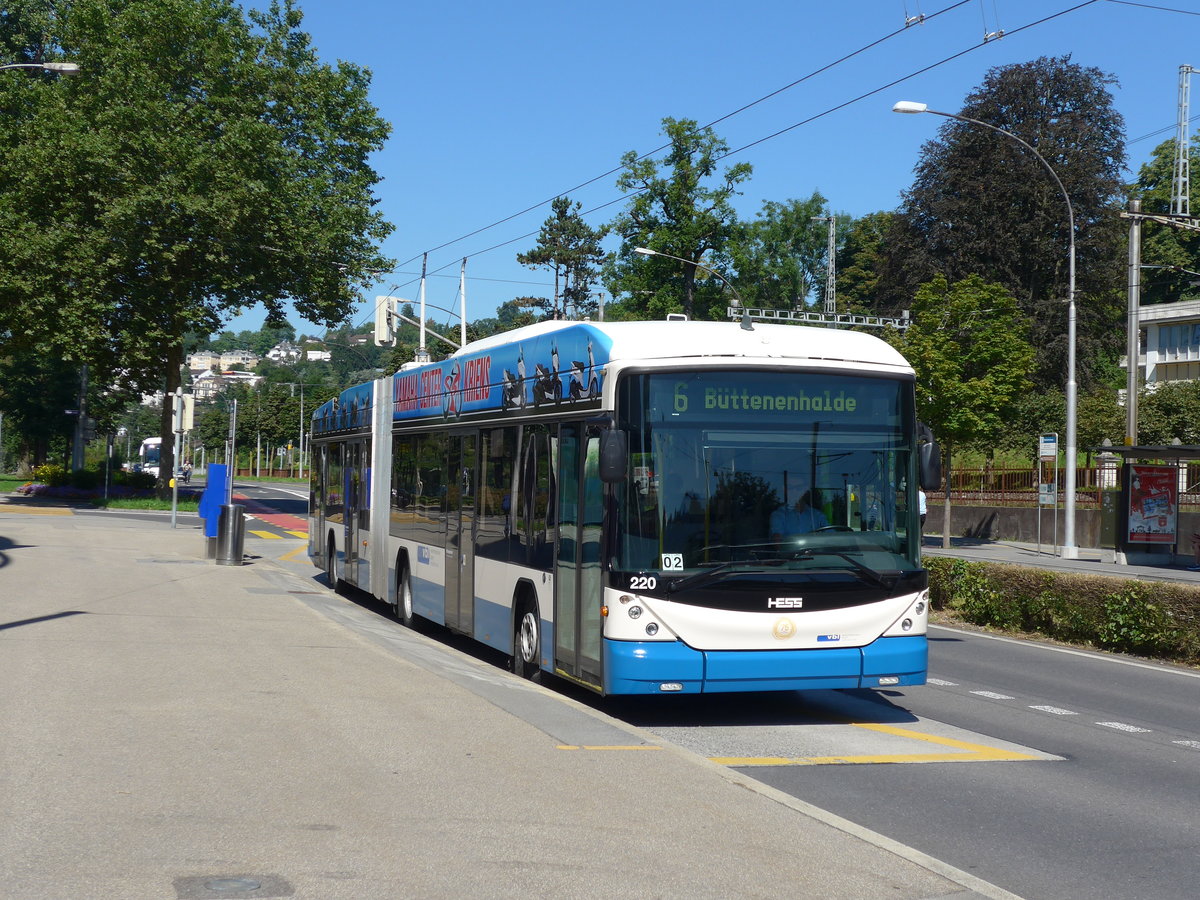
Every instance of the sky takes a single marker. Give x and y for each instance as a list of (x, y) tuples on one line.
[(496, 108)]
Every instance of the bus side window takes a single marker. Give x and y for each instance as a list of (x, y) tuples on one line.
[(537, 497), (497, 511), (404, 480), (431, 487)]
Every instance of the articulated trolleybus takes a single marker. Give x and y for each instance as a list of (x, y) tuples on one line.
[(642, 507)]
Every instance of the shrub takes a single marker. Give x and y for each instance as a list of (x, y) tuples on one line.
[(1156, 619), (51, 474)]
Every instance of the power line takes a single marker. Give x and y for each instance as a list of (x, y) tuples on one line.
[(780, 132), (659, 149)]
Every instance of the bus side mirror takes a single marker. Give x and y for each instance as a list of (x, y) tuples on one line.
[(930, 458), (614, 455)]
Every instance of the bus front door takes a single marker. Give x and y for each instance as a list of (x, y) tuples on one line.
[(578, 624), (460, 533)]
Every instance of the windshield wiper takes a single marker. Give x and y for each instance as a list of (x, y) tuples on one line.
[(715, 573), (866, 571)]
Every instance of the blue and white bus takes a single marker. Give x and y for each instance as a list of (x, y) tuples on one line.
[(642, 507), (149, 455)]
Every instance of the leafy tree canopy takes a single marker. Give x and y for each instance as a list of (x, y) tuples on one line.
[(205, 161), (681, 207), (780, 255), (1171, 255), (967, 344), (570, 248), (983, 204)]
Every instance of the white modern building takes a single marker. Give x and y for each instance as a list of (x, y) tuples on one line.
[(1170, 342)]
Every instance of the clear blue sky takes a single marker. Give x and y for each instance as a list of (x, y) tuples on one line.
[(498, 107)]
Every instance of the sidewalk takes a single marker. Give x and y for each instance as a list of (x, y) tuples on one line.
[(1090, 559), (178, 729)]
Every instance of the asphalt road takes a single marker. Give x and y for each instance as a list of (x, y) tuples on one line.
[(1050, 772), (1116, 816)]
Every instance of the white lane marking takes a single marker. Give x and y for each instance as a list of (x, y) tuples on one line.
[(992, 695), (1056, 710), (1121, 726), (1096, 656), (1195, 745), (939, 681)]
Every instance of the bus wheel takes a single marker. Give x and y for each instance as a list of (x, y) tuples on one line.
[(404, 598), (527, 642)]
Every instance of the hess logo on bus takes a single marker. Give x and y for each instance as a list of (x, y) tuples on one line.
[(785, 603)]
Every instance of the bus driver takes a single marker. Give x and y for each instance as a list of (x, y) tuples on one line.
[(788, 522)]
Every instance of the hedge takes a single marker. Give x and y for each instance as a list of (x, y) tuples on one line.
[(1154, 619)]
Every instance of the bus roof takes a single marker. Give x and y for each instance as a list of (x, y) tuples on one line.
[(564, 363), (658, 340)]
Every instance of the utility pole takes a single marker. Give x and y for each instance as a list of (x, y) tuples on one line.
[(830, 267), (1180, 187), (1133, 327), (80, 421)]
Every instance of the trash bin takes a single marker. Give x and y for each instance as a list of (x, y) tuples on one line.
[(231, 535)]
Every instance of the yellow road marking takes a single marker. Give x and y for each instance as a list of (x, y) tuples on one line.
[(299, 534), (971, 752), (270, 535), (614, 747), (291, 554), (18, 507)]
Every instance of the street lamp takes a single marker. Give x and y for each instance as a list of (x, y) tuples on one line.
[(646, 251), (62, 68), (1069, 549)]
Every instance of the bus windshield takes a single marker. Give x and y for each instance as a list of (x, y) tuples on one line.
[(736, 470)]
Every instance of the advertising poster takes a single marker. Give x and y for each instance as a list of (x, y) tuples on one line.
[(1153, 504)]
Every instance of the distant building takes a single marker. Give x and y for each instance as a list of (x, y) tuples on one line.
[(284, 352), (208, 384), (1170, 342), (233, 358), (203, 361), (207, 360)]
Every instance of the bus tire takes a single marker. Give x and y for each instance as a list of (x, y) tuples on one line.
[(527, 640), (404, 595)]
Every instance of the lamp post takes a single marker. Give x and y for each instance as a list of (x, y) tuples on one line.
[(646, 251), (62, 68), (1069, 548)]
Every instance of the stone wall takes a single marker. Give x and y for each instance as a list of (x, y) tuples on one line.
[(1020, 523)]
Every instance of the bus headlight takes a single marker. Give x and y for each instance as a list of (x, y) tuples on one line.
[(635, 612)]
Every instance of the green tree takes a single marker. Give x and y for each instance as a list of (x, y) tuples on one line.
[(681, 207), (1169, 412), (983, 204), (36, 390), (206, 162), (571, 249), (1171, 255), (780, 255), (860, 260), (967, 344)]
